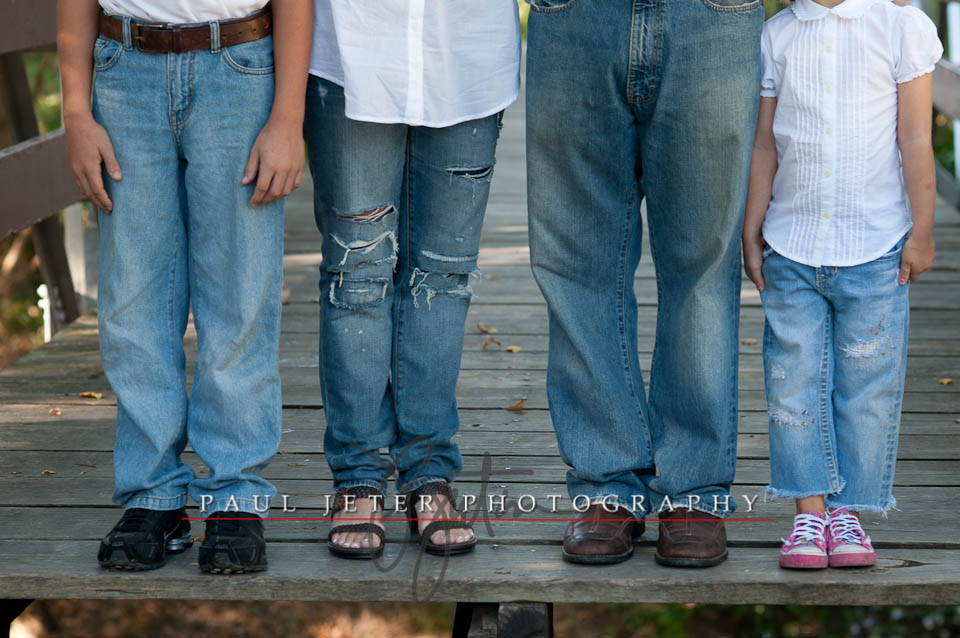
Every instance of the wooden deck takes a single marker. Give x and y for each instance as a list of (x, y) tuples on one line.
[(56, 470)]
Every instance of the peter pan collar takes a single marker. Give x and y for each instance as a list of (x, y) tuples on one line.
[(848, 9)]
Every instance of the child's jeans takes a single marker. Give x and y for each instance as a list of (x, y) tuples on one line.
[(182, 234), (834, 357)]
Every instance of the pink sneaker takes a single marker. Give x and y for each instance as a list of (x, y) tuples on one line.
[(847, 543), (807, 546)]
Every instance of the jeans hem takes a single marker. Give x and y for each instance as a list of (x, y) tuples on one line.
[(375, 483), (235, 506), (156, 503), (883, 508), (423, 480)]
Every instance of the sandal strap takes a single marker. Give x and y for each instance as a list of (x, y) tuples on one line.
[(437, 526), (429, 489), (359, 527), (357, 491)]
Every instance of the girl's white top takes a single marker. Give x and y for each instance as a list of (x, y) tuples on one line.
[(838, 197), (419, 62), (182, 11)]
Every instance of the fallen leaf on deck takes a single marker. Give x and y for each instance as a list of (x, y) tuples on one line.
[(91, 395), (492, 277), (957, 421), (748, 342), (946, 381), (513, 348), (516, 407), (284, 295), (47, 472), (491, 340), (54, 412), (484, 328), (82, 473)]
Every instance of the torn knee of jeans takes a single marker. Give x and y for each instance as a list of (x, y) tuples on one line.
[(777, 371), (354, 294), (472, 173), (370, 215), (447, 264), (868, 349), (429, 284), (791, 419), (347, 255)]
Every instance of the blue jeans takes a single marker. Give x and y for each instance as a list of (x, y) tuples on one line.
[(400, 209), (626, 100), (834, 358), (182, 234)]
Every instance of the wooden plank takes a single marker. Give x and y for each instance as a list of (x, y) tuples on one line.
[(27, 24), (504, 573), (946, 88), (35, 180)]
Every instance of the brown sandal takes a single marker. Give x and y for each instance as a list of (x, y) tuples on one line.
[(439, 549), (359, 491)]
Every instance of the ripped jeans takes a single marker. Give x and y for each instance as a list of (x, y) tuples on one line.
[(834, 358), (400, 209)]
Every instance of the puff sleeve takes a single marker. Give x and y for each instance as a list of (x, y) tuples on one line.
[(770, 78), (918, 48)]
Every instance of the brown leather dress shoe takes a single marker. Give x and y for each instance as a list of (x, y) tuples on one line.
[(690, 538), (601, 537)]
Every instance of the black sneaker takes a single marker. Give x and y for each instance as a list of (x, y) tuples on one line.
[(142, 538), (233, 546)]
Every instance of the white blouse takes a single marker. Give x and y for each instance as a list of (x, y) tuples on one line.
[(838, 196), (182, 11), (419, 62)]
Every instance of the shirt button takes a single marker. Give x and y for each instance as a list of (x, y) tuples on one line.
[(826, 214), (829, 131), (829, 49), (827, 173), (829, 89)]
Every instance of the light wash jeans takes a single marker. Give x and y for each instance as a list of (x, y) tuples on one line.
[(626, 100), (400, 209), (182, 234), (834, 358)]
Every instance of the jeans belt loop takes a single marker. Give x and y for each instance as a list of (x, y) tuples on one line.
[(127, 36), (215, 37), (177, 39)]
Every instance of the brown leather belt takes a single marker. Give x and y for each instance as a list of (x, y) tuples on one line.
[(160, 38)]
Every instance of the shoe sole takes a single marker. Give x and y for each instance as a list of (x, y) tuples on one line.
[(690, 562), (209, 569), (811, 562), (449, 550), (356, 553), (596, 559), (853, 560)]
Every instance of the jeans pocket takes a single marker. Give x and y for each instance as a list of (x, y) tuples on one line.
[(767, 251), (550, 6), (732, 6), (106, 54), (251, 58), (894, 252)]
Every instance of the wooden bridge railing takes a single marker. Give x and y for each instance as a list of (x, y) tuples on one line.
[(35, 179)]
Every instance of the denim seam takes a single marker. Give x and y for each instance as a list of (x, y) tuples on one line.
[(746, 7), (622, 283), (826, 420)]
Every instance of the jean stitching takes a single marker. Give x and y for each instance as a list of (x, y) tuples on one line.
[(826, 420)]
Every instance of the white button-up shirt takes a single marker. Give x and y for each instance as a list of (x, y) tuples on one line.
[(182, 11), (838, 196), (419, 62)]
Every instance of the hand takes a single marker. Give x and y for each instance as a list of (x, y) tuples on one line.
[(276, 162), (753, 257), (916, 257), (89, 147)]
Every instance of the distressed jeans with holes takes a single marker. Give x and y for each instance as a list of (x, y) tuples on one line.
[(632, 100), (182, 234), (400, 209), (834, 357)]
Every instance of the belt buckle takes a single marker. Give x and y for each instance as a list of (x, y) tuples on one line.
[(136, 34)]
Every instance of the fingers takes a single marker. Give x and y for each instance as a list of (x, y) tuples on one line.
[(262, 188), (252, 167), (905, 272), (755, 273), (273, 185), (110, 161), (298, 179)]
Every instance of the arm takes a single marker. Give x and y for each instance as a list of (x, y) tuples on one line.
[(914, 114), (763, 168), (88, 145), (276, 159)]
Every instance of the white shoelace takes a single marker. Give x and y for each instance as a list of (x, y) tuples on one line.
[(845, 527), (807, 527)]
